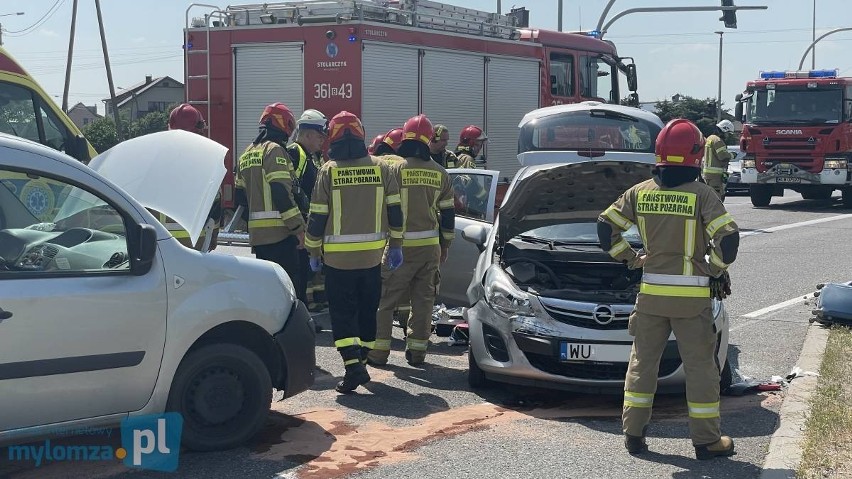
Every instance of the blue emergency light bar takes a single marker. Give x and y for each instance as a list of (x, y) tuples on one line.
[(770, 75)]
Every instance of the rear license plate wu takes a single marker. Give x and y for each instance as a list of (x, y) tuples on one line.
[(788, 179)]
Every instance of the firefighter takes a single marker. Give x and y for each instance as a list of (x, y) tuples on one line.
[(354, 208), (429, 228), (470, 144), (305, 153), (187, 117), (439, 152), (264, 186), (680, 220), (717, 157)]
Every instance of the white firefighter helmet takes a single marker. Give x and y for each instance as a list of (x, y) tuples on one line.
[(726, 126), (312, 119)]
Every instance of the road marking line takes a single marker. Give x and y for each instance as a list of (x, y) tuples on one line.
[(796, 225), (776, 307)]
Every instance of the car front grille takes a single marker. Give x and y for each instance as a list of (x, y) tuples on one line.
[(588, 315), (594, 371)]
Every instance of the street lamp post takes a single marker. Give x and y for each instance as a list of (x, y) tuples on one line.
[(813, 39), (719, 93), (1, 25)]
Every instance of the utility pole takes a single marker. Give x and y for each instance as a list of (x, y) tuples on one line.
[(70, 56), (499, 8), (1, 25), (719, 93), (109, 72), (560, 16)]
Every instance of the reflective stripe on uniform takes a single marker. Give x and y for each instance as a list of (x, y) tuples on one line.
[(368, 344), (350, 247), (277, 175), (394, 199), (351, 361), (416, 344), (675, 291), (638, 399), (420, 234), (264, 215), (380, 199), (703, 410), (342, 343), (688, 246), (382, 345), (319, 209), (676, 279), (270, 223), (312, 243), (617, 218), (642, 233), (722, 148), (716, 260), (396, 234), (360, 238), (619, 248), (714, 226), (338, 209), (446, 204), (421, 242), (713, 170), (448, 235)]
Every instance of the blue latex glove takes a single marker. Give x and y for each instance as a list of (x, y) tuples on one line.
[(394, 257), (316, 264)]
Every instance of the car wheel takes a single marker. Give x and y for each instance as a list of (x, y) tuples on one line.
[(475, 376), (223, 392), (760, 195), (727, 377), (817, 194)]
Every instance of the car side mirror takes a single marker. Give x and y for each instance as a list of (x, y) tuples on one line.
[(78, 148), (143, 250), (632, 81), (476, 234)]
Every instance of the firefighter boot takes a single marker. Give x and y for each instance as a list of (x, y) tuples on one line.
[(636, 444), (356, 375), (723, 447)]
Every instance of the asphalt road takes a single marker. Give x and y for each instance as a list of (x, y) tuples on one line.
[(427, 423)]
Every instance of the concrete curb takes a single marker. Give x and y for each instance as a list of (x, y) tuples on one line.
[(785, 447)]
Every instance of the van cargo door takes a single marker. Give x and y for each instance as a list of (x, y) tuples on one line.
[(513, 91), (265, 74), (389, 87)]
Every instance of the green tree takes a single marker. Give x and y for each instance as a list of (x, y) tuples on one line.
[(101, 134), (701, 112), (150, 123)]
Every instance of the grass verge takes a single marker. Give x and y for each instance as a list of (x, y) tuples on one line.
[(827, 448)]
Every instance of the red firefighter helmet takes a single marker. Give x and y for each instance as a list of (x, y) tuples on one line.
[(345, 126), (279, 117), (470, 134), (375, 143), (186, 117), (680, 143), (394, 138), (418, 128)]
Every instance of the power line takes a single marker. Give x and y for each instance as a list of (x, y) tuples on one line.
[(44, 18)]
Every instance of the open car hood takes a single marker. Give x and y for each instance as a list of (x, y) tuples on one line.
[(553, 194), (174, 172)]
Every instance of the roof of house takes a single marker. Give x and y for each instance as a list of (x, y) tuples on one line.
[(92, 109), (127, 94)]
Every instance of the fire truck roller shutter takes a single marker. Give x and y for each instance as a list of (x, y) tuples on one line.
[(454, 90), (389, 86), (513, 91), (265, 74)]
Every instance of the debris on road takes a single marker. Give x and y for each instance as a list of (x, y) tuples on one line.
[(834, 304)]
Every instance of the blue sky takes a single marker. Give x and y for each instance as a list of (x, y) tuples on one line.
[(675, 52)]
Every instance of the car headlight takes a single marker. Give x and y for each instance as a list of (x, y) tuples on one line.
[(503, 297), (835, 164), (749, 164)]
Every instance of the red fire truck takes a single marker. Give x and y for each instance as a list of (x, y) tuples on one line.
[(386, 62), (797, 135)]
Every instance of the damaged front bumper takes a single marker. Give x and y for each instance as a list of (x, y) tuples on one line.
[(297, 345)]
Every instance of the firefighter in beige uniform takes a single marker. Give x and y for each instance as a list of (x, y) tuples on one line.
[(355, 207), (442, 156), (680, 220), (427, 203), (716, 158), (264, 183)]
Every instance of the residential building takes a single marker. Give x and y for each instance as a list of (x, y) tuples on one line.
[(153, 94), (82, 114)]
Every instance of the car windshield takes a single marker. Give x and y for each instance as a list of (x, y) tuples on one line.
[(588, 130), (578, 233), (783, 106)]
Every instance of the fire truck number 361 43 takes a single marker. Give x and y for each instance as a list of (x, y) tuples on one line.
[(326, 90)]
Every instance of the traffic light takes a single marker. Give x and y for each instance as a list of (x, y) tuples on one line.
[(729, 16)]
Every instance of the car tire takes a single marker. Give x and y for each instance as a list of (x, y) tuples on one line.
[(761, 195), (475, 376), (223, 392), (726, 377), (821, 194)]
